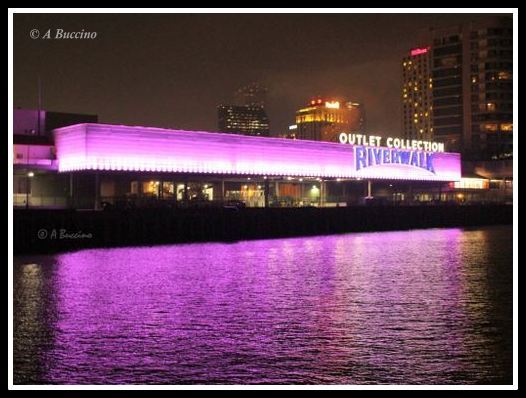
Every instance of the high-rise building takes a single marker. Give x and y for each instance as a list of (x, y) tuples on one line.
[(417, 95), (247, 116), (253, 94), (243, 119), (472, 93), (491, 96), (324, 120)]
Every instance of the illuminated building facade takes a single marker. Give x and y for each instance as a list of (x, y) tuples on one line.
[(417, 85), (99, 165), (135, 164), (471, 67), (324, 120), (243, 119)]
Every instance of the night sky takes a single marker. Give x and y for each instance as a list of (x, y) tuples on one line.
[(173, 70)]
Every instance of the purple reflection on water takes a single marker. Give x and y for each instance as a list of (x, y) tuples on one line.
[(391, 307)]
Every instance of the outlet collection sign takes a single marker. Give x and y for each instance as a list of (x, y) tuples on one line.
[(369, 151)]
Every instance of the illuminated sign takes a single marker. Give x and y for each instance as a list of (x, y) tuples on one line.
[(332, 104), (368, 151), (418, 51), (91, 147), (366, 157), (400, 143)]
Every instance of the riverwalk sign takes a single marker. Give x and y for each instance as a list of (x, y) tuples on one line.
[(368, 151)]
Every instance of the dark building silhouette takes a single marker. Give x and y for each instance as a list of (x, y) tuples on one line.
[(253, 94), (30, 127), (243, 119)]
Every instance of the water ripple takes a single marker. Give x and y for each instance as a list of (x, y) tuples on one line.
[(412, 307)]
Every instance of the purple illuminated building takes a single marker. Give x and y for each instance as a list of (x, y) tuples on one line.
[(121, 148), (91, 165)]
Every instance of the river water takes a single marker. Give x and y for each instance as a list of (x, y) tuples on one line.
[(413, 307)]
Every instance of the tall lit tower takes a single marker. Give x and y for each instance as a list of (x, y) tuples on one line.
[(417, 90), (458, 88)]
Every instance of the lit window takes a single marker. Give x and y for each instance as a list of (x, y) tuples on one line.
[(489, 127), (471, 183), (491, 107), (504, 75), (506, 126)]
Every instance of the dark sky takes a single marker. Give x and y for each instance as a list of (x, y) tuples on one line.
[(172, 70)]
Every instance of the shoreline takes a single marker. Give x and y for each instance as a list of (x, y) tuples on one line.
[(38, 231)]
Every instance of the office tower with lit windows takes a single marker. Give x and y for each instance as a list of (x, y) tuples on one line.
[(472, 93), (324, 120), (243, 119), (417, 107), (491, 94), (247, 116)]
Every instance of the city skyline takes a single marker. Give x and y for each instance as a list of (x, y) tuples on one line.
[(144, 72)]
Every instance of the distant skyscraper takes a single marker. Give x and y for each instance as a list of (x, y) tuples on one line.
[(417, 95), (253, 94), (248, 115), (472, 94), (243, 119), (324, 120)]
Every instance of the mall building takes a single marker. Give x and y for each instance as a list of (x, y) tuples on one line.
[(93, 166)]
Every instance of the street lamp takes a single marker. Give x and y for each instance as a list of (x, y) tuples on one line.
[(28, 176)]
